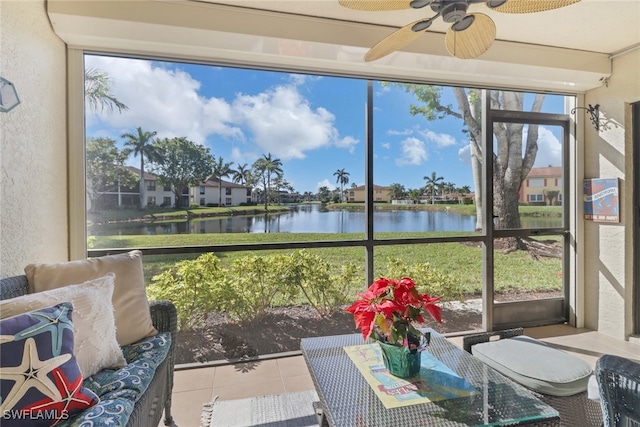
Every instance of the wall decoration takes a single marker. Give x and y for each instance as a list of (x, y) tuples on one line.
[(601, 200)]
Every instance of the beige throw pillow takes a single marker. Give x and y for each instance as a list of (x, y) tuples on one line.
[(131, 308), (95, 346)]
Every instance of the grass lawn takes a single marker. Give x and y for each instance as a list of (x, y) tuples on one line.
[(517, 270)]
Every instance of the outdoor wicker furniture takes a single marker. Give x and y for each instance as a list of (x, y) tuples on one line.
[(556, 377), (148, 409), (619, 386), (347, 398)]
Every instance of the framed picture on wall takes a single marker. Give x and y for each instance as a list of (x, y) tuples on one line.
[(601, 199)]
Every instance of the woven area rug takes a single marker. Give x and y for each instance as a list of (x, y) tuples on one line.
[(278, 410)]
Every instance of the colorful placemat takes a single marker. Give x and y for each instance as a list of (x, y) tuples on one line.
[(435, 381)]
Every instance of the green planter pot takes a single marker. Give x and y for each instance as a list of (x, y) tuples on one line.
[(400, 361)]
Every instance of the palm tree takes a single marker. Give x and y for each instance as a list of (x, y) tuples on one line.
[(242, 174), (141, 144), (342, 178), (281, 184), (267, 166), (220, 170), (396, 191), (97, 92), (449, 187), (433, 182), (414, 194)]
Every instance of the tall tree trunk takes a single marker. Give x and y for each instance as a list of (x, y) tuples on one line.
[(143, 203), (476, 167), (176, 194)]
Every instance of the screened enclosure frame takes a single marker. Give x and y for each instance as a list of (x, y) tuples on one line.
[(556, 309)]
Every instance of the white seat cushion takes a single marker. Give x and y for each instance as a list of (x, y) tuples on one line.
[(535, 365)]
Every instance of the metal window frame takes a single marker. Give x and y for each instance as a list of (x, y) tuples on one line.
[(77, 219)]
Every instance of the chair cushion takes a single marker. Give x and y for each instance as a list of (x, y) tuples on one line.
[(95, 344), (133, 320), (535, 365), (41, 383), (119, 390)]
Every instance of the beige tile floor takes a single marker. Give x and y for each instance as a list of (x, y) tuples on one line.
[(194, 387)]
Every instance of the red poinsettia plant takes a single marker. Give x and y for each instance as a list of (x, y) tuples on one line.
[(387, 310)]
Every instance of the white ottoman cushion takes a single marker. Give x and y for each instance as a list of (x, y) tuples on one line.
[(535, 365)]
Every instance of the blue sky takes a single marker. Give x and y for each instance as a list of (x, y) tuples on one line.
[(314, 124)]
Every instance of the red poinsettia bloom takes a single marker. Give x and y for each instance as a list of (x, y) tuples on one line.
[(387, 309)]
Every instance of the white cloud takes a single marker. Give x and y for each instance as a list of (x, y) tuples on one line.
[(399, 132), (347, 142), (326, 183), (163, 100), (414, 152), (549, 149), (464, 154), (297, 79), (441, 139), (386, 145), (283, 123)]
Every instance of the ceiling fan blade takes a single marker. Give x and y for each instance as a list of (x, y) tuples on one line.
[(527, 6), (396, 40), (470, 37), (376, 5)]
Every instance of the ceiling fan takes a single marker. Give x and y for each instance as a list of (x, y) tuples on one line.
[(470, 34)]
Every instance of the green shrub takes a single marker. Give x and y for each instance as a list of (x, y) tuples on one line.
[(306, 274), (253, 284), (196, 287), (428, 279)]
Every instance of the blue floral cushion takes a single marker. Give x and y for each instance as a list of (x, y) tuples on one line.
[(120, 389), (40, 381)]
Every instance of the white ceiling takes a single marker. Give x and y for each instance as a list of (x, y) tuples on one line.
[(603, 26)]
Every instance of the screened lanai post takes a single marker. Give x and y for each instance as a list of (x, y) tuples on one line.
[(368, 173), (487, 196), (635, 120)]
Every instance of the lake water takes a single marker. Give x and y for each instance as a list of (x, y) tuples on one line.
[(313, 219)]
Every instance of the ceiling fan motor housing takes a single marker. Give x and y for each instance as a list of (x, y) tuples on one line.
[(452, 11)]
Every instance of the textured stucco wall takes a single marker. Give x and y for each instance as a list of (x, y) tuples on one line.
[(33, 179), (609, 254)]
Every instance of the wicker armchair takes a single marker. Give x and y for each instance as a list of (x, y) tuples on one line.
[(619, 386)]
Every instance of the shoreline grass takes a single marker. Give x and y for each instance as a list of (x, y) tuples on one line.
[(157, 214)]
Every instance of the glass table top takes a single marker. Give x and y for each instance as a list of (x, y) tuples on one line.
[(349, 400)]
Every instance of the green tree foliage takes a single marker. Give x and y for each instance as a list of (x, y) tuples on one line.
[(514, 155), (242, 175), (396, 191), (342, 178), (266, 168), (105, 169), (415, 194), (324, 195), (432, 184), (97, 91), (181, 164), (551, 195), (140, 144), (221, 169)]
